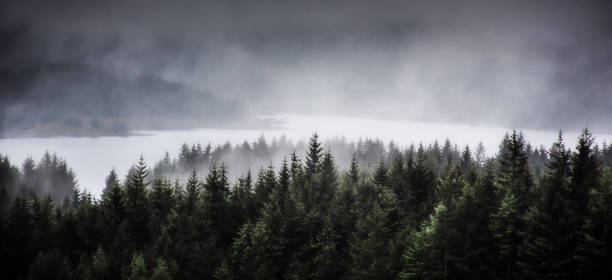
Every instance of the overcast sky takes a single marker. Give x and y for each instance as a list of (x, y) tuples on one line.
[(536, 64)]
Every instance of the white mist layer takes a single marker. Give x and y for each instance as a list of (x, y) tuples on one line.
[(92, 158)]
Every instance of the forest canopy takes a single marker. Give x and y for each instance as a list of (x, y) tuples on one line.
[(424, 212)]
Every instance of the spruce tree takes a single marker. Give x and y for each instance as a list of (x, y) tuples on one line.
[(380, 174), (480, 155), (506, 224), (472, 254), (515, 176), (284, 181), (429, 253), (327, 261), (265, 186), (372, 244), (597, 228), (353, 173), (586, 175), (313, 156), (399, 181), (327, 183), (422, 186), (218, 207), (137, 208), (19, 239), (450, 187), (546, 249), (162, 201), (343, 217), (188, 242), (243, 199), (113, 220)]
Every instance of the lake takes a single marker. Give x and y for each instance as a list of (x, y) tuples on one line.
[(92, 158)]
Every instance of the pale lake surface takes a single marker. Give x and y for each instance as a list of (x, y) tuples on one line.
[(92, 158)]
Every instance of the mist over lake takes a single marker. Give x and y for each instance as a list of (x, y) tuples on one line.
[(92, 158), (306, 139)]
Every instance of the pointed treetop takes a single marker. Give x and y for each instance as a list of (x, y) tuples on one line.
[(313, 156), (380, 174), (353, 172)]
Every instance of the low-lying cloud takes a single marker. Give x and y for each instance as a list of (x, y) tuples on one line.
[(544, 64)]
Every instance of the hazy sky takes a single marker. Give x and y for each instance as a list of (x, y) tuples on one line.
[(544, 64)]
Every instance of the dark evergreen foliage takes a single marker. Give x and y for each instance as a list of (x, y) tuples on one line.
[(430, 212)]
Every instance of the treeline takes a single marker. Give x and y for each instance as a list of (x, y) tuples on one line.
[(261, 153), (416, 215), (368, 152), (50, 176)]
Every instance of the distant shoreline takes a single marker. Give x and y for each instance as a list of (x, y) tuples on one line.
[(130, 127)]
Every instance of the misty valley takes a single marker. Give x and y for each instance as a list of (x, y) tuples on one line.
[(92, 157), (305, 139)]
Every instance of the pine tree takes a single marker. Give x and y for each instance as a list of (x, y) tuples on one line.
[(9, 175), (480, 155), (296, 168), (111, 181), (380, 174), (597, 245), (113, 221), (422, 186), (297, 187), (586, 176), (353, 173), (371, 246), (343, 218), (266, 184), (236, 265), (399, 181), (472, 254), (450, 187), (218, 207), (327, 183), (243, 199), (327, 261), (429, 253), (188, 243), (19, 239), (137, 208), (515, 176), (284, 181), (313, 156), (42, 221), (516, 183), (505, 226), (545, 252), (193, 194), (467, 165), (162, 201)]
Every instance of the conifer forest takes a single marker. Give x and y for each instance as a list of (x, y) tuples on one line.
[(425, 212), (305, 139)]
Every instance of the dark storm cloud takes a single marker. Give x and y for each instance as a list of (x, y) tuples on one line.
[(518, 63)]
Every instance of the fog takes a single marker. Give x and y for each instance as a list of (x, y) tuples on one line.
[(93, 158), (179, 139), (106, 67)]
